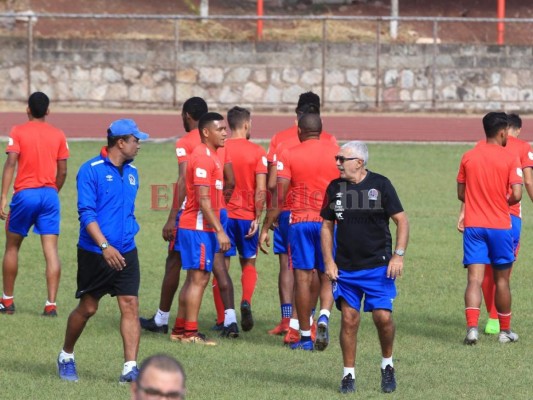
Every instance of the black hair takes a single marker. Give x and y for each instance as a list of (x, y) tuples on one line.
[(514, 121), (309, 98), (207, 118), (38, 104), (309, 108), (237, 116), (494, 122), (113, 140), (195, 107)]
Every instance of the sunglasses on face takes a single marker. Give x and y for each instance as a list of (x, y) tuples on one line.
[(341, 159)]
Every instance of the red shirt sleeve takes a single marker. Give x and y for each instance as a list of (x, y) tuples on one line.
[(283, 165)]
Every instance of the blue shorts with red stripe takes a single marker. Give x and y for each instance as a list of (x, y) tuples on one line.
[(281, 234), (198, 249), (174, 244), (305, 251), (488, 246), (38, 207), (516, 226), (378, 291), (237, 229)]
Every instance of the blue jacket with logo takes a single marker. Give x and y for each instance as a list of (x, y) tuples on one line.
[(107, 197)]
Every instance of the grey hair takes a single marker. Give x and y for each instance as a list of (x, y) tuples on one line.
[(357, 149)]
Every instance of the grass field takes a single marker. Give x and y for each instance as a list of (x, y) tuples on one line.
[(430, 359)]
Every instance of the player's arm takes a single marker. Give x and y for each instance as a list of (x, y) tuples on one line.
[(111, 255), (461, 188), (178, 197), (395, 267), (516, 194), (326, 243), (229, 182), (61, 174), (7, 178), (273, 213), (259, 201), (204, 199), (272, 177), (461, 219), (528, 181)]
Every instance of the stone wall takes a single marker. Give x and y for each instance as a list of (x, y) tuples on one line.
[(268, 76)]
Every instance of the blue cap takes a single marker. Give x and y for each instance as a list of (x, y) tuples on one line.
[(122, 127)]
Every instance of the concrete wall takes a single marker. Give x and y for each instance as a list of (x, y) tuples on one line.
[(269, 76)]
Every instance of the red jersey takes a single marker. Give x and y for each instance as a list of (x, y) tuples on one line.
[(488, 170), (203, 169), (291, 134), (249, 159), (310, 167), (39, 146)]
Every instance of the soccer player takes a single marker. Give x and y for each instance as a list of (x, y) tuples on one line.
[(40, 152), (523, 151), (308, 102), (306, 169), (487, 192), (246, 204), (201, 233), (360, 203), (160, 376), (107, 254)]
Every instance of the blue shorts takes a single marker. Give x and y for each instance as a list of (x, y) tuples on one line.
[(224, 218), (174, 245), (38, 207), (281, 234), (305, 251), (516, 226), (378, 290), (237, 229), (488, 246), (198, 249)]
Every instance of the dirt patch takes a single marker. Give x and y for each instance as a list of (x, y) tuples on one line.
[(456, 32)]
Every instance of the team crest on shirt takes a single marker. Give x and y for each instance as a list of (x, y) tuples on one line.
[(373, 194), (10, 142), (530, 155), (201, 173), (280, 166), (180, 152), (131, 178), (218, 185), (264, 159), (519, 172), (109, 178)]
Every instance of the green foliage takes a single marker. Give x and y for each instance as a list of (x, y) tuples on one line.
[(431, 361)]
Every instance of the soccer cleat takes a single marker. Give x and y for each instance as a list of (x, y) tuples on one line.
[(218, 327), (197, 338), (176, 335), (472, 336), (347, 384), (299, 345), (7, 309), (231, 331), (130, 376), (313, 331), (148, 324), (281, 328), (492, 327), (50, 311), (388, 380), (247, 319), (322, 335), (507, 337), (66, 370), (292, 336)]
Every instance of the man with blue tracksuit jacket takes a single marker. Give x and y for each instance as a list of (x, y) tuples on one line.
[(107, 255)]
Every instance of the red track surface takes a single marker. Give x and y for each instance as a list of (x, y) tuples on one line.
[(371, 127)]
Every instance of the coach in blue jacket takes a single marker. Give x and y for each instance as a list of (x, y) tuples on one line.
[(107, 255)]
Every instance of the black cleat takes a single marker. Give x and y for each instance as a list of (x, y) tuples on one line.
[(231, 331), (388, 381), (347, 384), (247, 319), (7, 309), (150, 325)]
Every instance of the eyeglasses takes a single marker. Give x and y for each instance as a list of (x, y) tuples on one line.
[(341, 159), (157, 394)]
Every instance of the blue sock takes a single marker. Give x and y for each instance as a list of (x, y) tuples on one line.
[(286, 310)]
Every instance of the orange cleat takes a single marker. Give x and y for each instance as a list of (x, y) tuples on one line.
[(281, 328), (313, 331), (292, 336)]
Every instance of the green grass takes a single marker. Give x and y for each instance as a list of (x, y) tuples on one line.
[(431, 361)]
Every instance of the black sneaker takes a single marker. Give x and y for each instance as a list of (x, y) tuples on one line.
[(388, 381), (150, 325), (247, 320), (7, 309), (231, 331), (347, 384), (218, 327)]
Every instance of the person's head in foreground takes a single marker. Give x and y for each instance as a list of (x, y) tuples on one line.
[(160, 377)]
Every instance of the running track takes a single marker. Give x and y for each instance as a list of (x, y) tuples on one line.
[(367, 127)]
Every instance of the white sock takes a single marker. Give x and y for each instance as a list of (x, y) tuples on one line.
[(294, 324), (229, 317), (311, 321), (349, 371), (386, 361), (65, 356), (49, 304), (128, 366), (5, 296), (325, 313), (306, 333), (161, 318)]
